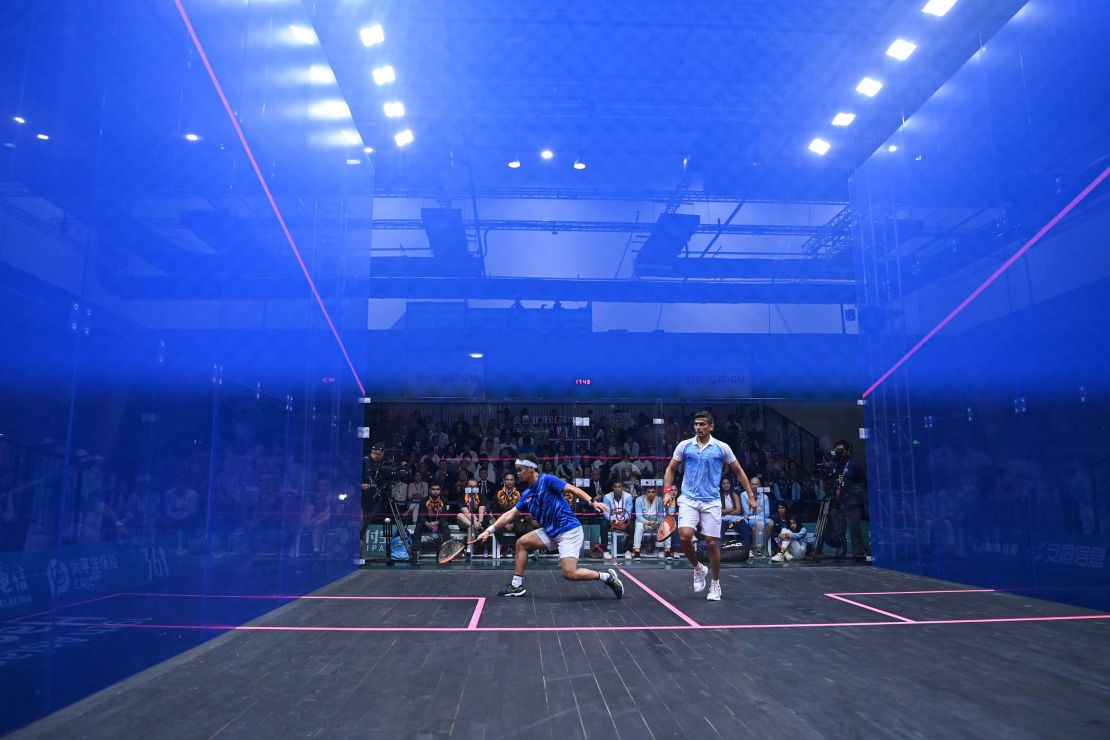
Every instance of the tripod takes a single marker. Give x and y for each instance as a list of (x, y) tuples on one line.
[(822, 522)]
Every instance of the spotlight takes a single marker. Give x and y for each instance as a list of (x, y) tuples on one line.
[(476, 355), (579, 164), (303, 34), (343, 496), (372, 35), (395, 109), (368, 149), (384, 75), (547, 154), (320, 74), (892, 148), (938, 7), (329, 109), (514, 163), (349, 136), (19, 119), (42, 137), (191, 137), (819, 146), (843, 119), (869, 87), (403, 137), (901, 49)]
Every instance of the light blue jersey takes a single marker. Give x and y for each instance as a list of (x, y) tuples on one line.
[(702, 467)]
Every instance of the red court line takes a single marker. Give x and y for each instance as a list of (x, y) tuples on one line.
[(838, 597), (477, 613), (937, 591), (15, 620), (681, 615), (622, 628), (266, 190), (994, 276)]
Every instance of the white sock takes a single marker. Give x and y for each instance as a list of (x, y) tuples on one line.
[(604, 576), (518, 581), (714, 582)]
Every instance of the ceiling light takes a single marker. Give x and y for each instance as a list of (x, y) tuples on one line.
[(547, 154), (395, 109), (403, 137), (869, 87), (579, 164), (476, 355), (329, 110), (320, 74), (191, 137), (19, 119), (938, 7), (303, 34), (372, 35), (349, 136), (384, 75), (901, 49), (892, 148), (368, 149), (843, 119), (42, 137), (354, 161), (515, 163), (819, 146)]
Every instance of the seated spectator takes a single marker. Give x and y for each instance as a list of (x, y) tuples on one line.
[(786, 488), (618, 515), (434, 517), (626, 470), (506, 499), (474, 509), (732, 515), (759, 517), (417, 491), (649, 515), (791, 541)]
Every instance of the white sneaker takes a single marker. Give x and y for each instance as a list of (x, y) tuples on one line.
[(787, 556), (777, 558), (627, 554), (699, 578), (714, 592), (658, 554)]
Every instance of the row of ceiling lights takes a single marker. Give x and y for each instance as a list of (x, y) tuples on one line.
[(23, 121), (901, 50)]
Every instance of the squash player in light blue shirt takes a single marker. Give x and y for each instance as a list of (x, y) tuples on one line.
[(702, 459)]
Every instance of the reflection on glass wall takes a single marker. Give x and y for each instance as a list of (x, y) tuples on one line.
[(984, 296), (178, 421)]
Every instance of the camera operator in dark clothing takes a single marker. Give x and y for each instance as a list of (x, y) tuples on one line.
[(850, 498), (371, 501)]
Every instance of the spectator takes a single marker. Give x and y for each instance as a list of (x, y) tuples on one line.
[(791, 541), (416, 492), (434, 518), (181, 511), (649, 515), (758, 518), (620, 508)]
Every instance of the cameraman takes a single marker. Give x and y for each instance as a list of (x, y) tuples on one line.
[(371, 501), (846, 511)]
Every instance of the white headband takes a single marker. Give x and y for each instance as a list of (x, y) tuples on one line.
[(526, 464)]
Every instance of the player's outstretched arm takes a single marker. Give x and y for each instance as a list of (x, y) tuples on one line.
[(502, 522)]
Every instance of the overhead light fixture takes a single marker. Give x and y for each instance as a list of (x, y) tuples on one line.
[(547, 154), (372, 35), (901, 49), (19, 119), (404, 138), (892, 148), (368, 149), (42, 137), (938, 7), (384, 75), (349, 136), (303, 34), (579, 164), (354, 161), (476, 355), (514, 163), (394, 109), (819, 146), (869, 87), (329, 110), (321, 74), (843, 119), (191, 137)]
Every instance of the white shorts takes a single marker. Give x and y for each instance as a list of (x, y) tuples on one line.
[(569, 543), (692, 512)]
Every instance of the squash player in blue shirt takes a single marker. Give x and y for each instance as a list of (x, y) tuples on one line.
[(702, 459), (559, 529)]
